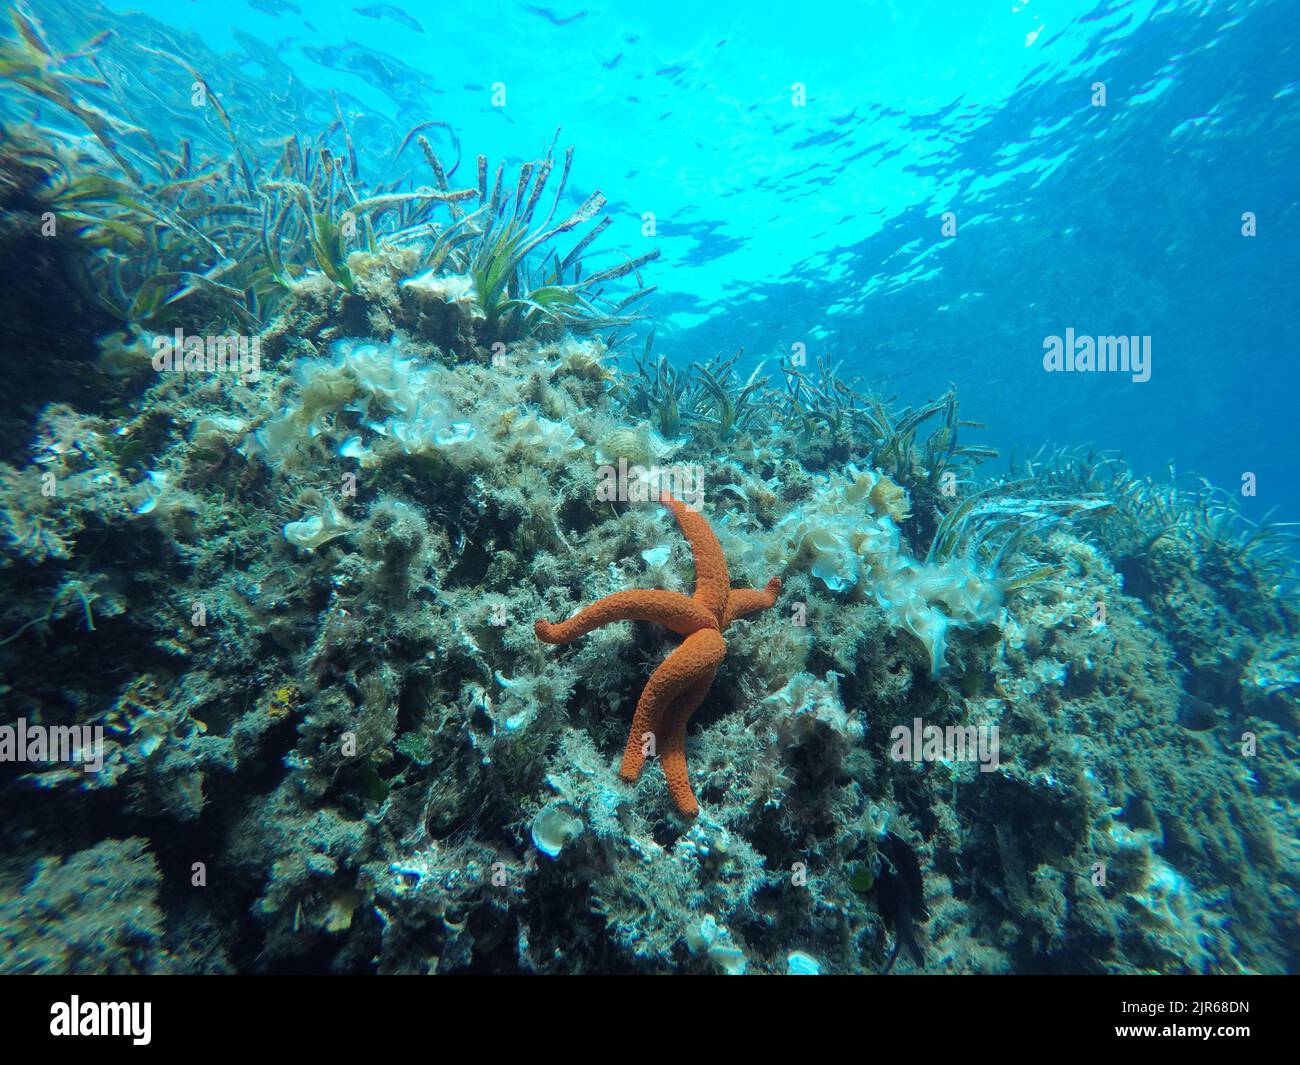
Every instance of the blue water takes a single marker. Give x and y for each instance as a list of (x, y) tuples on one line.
[(822, 223)]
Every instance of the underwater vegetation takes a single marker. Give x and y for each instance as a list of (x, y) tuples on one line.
[(307, 600), (224, 233)]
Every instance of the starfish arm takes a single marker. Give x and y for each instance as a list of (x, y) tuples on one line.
[(696, 658), (673, 756), (742, 601), (671, 609), (712, 581)]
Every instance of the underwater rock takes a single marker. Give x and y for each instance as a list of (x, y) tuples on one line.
[(93, 912)]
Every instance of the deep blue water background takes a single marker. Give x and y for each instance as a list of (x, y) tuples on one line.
[(821, 224)]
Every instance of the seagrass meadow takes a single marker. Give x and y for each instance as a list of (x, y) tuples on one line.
[(423, 554)]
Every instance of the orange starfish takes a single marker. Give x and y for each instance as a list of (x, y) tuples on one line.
[(677, 688)]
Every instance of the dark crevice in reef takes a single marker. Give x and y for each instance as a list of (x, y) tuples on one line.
[(48, 322)]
